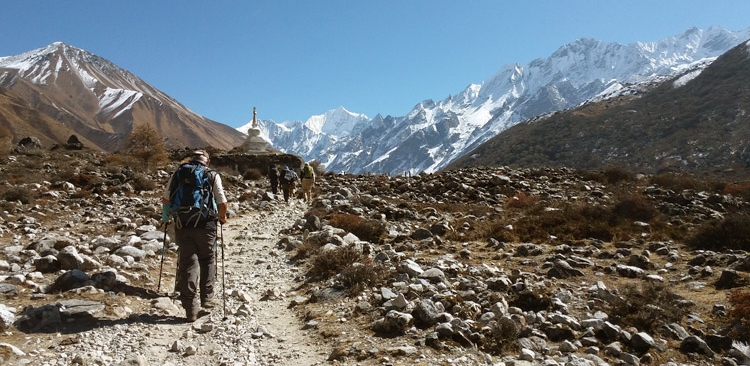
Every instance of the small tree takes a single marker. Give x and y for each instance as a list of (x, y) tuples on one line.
[(147, 146)]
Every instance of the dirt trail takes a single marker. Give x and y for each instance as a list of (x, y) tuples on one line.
[(259, 328)]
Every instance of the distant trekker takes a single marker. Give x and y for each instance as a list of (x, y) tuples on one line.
[(308, 181), (288, 180)]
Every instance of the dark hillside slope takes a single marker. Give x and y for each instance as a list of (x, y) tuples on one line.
[(701, 126)]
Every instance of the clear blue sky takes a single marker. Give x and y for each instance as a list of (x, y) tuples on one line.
[(295, 59)]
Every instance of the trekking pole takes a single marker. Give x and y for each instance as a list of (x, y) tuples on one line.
[(163, 249), (223, 275)]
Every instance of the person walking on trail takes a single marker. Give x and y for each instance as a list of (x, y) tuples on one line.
[(308, 181), (195, 201), (288, 180), (273, 176)]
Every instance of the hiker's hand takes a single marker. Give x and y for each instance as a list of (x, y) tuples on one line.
[(223, 220)]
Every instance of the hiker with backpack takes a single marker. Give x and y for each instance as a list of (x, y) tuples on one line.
[(308, 181), (288, 180), (195, 201), (273, 176)]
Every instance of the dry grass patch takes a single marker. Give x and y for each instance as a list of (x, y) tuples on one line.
[(364, 229)]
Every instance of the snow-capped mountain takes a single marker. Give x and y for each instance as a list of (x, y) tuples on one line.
[(71, 91), (435, 133)]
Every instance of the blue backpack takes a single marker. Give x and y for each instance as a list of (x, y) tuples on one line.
[(191, 199)]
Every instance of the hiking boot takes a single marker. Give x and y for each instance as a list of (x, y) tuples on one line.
[(191, 314), (210, 303)]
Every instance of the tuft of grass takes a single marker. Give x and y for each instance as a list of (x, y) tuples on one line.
[(361, 275), (500, 336), (328, 263)]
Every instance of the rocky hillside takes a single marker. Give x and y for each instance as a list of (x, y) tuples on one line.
[(495, 266)]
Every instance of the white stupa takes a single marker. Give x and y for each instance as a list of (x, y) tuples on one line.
[(254, 143)]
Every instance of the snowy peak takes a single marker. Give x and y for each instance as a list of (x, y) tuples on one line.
[(336, 122), (89, 96), (115, 88)]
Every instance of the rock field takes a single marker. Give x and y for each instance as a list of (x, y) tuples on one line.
[(80, 268)]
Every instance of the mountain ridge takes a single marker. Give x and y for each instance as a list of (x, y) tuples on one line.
[(695, 121), (90, 97), (433, 133)]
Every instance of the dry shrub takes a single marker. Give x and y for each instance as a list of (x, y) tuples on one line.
[(500, 336), (82, 193), (733, 232), (681, 181), (328, 263), (365, 229), (531, 300), (360, 275), (480, 230), (115, 160), (142, 182), (252, 174), (522, 200), (18, 193), (84, 180), (739, 312), (633, 207), (648, 306), (738, 190), (571, 222), (615, 175)]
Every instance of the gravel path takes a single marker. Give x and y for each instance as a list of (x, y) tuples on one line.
[(259, 328)]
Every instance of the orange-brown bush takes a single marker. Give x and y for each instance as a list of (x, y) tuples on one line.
[(570, 222), (739, 299), (522, 200), (365, 229), (738, 190), (147, 146), (733, 232)]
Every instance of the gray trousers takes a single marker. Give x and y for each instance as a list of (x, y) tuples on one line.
[(197, 264)]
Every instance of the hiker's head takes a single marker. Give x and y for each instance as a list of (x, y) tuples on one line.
[(200, 156)]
